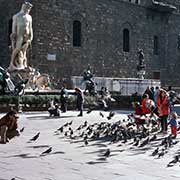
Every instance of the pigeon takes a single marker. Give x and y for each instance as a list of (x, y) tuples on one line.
[(155, 152), (35, 137), (145, 142), (101, 114), (136, 143), (153, 138), (79, 128), (66, 124), (65, 133), (86, 142), (85, 137), (107, 153), (174, 161), (47, 151), (70, 123), (161, 154), (111, 114), (21, 130), (60, 129), (71, 132), (85, 124)]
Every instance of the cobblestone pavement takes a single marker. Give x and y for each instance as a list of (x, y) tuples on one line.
[(71, 159)]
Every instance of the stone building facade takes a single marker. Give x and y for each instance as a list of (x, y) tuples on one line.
[(106, 34)]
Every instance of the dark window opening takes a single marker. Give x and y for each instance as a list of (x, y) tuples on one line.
[(156, 45), (137, 1), (179, 41), (126, 40), (77, 33), (9, 31)]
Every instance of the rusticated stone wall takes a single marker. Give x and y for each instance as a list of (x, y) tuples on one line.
[(102, 25)]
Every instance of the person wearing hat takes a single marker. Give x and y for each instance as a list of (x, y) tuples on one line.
[(8, 126), (21, 37)]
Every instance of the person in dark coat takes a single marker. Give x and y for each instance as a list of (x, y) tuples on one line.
[(80, 100), (63, 99)]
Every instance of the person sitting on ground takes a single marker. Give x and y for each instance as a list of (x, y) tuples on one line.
[(54, 111), (173, 124), (8, 126)]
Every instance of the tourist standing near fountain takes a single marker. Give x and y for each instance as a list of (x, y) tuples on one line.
[(21, 37)]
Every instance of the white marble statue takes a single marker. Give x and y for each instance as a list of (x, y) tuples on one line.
[(21, 37)]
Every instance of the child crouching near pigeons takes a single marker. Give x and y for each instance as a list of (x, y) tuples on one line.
[(173, 124)]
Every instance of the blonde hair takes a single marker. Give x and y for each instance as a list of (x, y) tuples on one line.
[(174, 115)]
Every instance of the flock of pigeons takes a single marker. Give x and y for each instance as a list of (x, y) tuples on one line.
[(120, 132)]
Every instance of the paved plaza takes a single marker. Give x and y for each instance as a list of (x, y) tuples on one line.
[(71, 159)]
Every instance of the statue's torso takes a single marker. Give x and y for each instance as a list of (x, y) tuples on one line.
[(23, 23)]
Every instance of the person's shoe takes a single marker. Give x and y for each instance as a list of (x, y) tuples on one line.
[(79, 115)]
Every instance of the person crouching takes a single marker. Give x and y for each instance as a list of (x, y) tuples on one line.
[(8, 126)]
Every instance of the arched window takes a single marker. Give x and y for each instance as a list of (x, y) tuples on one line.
[(9, 31), (126, 40), (156, 45), (77, 33)]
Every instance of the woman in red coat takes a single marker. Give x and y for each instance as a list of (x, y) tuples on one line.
[(163, 109)]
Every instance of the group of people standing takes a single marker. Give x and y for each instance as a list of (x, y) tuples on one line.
[(55, 110), (157, 101)]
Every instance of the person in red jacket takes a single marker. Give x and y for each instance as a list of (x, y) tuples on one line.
[(163, 109), (138, 114), (147, 104)]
